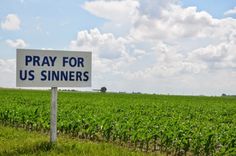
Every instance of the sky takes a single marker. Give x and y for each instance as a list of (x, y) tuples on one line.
[(182, 47)]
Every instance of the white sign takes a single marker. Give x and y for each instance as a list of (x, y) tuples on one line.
[(53, 68)]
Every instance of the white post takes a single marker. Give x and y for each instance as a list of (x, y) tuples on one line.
[(53, 115)]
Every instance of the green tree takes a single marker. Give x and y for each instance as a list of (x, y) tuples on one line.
[(103, 89)]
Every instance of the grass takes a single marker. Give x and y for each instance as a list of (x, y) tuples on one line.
[(20, 142)]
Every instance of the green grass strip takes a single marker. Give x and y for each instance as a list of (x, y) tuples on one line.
[(20, 142)]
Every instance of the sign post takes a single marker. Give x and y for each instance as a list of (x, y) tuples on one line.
[(53, 68), (53, 115)]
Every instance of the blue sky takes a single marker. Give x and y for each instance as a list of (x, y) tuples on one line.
[(133, 41), (215, 7), (56, 21)]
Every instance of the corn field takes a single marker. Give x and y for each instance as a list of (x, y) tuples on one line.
[(176, 125)]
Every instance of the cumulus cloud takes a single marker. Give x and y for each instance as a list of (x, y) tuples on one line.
[(103, 45), (230, 12), (120, 15), (220, 55), (174, 23), (18, 43), (11, 22), (164, 46)]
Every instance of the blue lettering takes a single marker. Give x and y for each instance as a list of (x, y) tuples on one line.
[(64, 76), (78, 76), (28, 59), (71, 73), (80, 62), (31, 75), (23, 76), (45, 61), (73, 61), (49, 75), (49, 61), (55, 75), (36, 60), (86, 76), (43, 75), (27, 74), (52, 59), (65, 60)]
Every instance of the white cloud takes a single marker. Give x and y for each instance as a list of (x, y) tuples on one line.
[(7, 72), (220, 55), (11, 22), (113, 10), (18, 43), (230, 12), (104, 45), (164, 46), (174, 23), (120, 15)]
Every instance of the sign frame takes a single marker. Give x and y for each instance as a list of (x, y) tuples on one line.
[(53, 68)]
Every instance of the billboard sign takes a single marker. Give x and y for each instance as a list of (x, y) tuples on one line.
[(53, 68)]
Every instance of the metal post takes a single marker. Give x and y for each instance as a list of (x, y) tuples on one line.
[(53, 115)]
